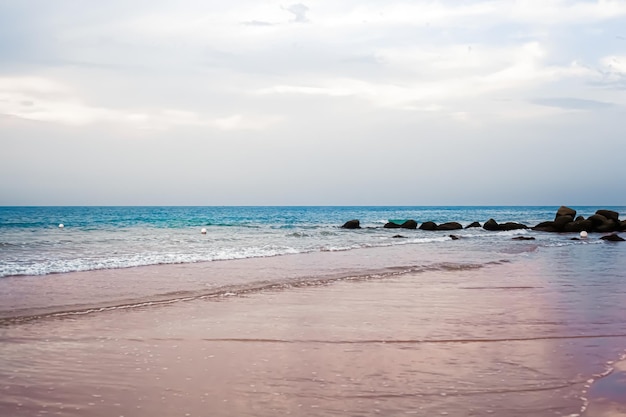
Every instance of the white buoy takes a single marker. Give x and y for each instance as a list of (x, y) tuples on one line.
[(583, 234), (203, 231), (61, 226)]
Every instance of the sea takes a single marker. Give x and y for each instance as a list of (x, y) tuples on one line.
[(32, 243), (111, 311)]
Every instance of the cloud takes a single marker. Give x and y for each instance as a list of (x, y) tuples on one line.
[(357, 77), (257, 23), (37, 98), (562, 12), (569, 103), (612, 73), (42, 99), (615, 65), (299, 10), (432, 79)]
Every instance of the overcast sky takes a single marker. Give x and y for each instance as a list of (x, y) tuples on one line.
[(322, 102)]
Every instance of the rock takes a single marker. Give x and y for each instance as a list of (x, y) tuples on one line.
[(428, 226), (409, 224), (491, 224), (575, 238), (561, 221), (475, 224), (597, 219), (609, 214), (603, 224), (450, 226), (545, 227), (622, 225), (578, 225), (573, 227), (399, 237), (613, 238), (352, 224), (512, 226), (523, 238), (609, 226), (454, 237), (565, 211)]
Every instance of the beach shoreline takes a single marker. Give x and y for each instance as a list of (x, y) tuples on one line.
[(314, 320), (607, 394), (495, 340)]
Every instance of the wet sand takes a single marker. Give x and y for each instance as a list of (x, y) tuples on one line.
[(608, 393), (495, 341)]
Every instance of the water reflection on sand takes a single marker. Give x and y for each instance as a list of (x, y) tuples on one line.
[(511, 339)]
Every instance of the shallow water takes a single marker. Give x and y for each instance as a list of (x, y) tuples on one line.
[(521, 329), (119, 237)]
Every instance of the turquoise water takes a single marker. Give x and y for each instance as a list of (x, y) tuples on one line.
[(31, 243)]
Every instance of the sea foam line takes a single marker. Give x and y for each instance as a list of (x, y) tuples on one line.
[(255, 287)]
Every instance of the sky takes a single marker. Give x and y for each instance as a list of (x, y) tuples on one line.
[(466, 102)]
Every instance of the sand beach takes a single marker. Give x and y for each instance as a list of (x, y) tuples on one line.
[(502, 338)]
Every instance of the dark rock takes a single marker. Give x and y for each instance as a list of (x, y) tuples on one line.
[(609, 214), (428, 226), (491, 224), (450, 226), (399, 237), (561, 221), (409, 224), (613, 238), (512, 226), (392, 225), (523, 238), (576, 227), (602, 224), (597, 219), (622, 225), (565, 211), (586, 225), (475, 224), (454, 237), (575, 238), (545, 227), (352, 224), (607, 227), (579, 219)]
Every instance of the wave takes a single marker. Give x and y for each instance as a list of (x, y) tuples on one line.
[(64, 262), (243, 225), (10, 245), (298, 234), (14, 317), (86, 264), (56, 252), (596, 399)]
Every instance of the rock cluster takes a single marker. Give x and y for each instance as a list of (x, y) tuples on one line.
[(491, 224), (603, 221), (565, 220), (443, 226), (409, 224)]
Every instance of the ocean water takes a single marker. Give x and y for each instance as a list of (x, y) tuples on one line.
[(31, 243), (278, 311)]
